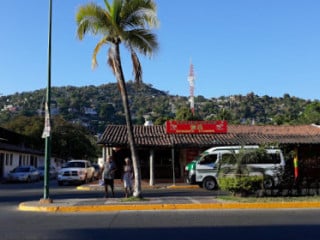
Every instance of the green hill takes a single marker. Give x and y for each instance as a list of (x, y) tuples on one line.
[(97, 106)]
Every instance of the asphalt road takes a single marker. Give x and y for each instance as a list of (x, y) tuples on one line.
[(218, 224)]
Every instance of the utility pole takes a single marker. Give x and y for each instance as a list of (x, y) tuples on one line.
[(47, 126)]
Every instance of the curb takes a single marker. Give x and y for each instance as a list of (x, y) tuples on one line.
[(164, 207)]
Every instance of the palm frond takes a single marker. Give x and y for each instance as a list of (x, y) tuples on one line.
[(115, 11), (139, 13), (107, 4), (142, 40), (92, 18), (94, 62), (111, 61), (137, 69)]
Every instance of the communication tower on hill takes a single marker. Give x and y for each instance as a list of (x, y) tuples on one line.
[(191, 79)]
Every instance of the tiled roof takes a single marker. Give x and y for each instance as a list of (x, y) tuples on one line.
[(116, 135), (17, 148), (302, 130), (146, 136)]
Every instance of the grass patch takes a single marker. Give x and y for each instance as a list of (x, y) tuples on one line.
[(133, 199)]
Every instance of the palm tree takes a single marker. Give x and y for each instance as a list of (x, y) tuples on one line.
[(128, 22)]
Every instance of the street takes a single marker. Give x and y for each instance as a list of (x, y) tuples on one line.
[(224, 224)]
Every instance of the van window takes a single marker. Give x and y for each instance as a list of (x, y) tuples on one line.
[(273, 158), (262, 158), (209, 159), (228, 158)]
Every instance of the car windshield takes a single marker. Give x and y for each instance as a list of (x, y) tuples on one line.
[(21, 169), (76, 164)]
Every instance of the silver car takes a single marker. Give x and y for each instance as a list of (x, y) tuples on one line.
[(52, 172), (23, 174)]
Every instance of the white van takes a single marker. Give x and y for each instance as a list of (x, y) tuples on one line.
[(204, 170)]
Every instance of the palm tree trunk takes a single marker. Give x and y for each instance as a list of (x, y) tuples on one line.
[(125, 102)]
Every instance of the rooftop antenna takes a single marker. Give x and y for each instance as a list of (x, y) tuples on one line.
[(191, 79)]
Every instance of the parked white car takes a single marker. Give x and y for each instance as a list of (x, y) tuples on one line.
[(23, 174), (76, 171)]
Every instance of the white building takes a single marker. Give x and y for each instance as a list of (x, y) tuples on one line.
[(13, 153)]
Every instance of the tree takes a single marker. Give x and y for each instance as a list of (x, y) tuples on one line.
[(31, 127), (185, 114), (69, 140), (128, 22), (72, 141), (312, 113), (224, 114)]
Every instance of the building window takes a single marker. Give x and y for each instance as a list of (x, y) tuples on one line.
[(7, 159), (31, 160)]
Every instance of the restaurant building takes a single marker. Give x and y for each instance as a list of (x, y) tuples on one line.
[(164, 155)]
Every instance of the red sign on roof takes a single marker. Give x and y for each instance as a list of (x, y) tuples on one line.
[(219, 126)]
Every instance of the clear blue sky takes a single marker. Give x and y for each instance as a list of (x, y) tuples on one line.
[(269, 47)]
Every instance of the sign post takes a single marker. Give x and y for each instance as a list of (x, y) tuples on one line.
[(47, 129)]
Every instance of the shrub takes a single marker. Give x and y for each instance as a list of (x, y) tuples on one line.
[(240, 185)]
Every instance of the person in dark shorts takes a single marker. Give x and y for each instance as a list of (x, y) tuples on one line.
[(127, 177), (108, 171)]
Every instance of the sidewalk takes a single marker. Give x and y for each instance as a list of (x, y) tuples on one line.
[(152, 203), (160, 184)]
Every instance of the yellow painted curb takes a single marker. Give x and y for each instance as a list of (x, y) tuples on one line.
[(84, 188), (136, 207)]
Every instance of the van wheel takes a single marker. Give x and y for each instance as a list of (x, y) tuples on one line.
[(268, 182), (209, 183)]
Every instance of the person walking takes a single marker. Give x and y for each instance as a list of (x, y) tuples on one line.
[(108, 172), (127, 177)]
